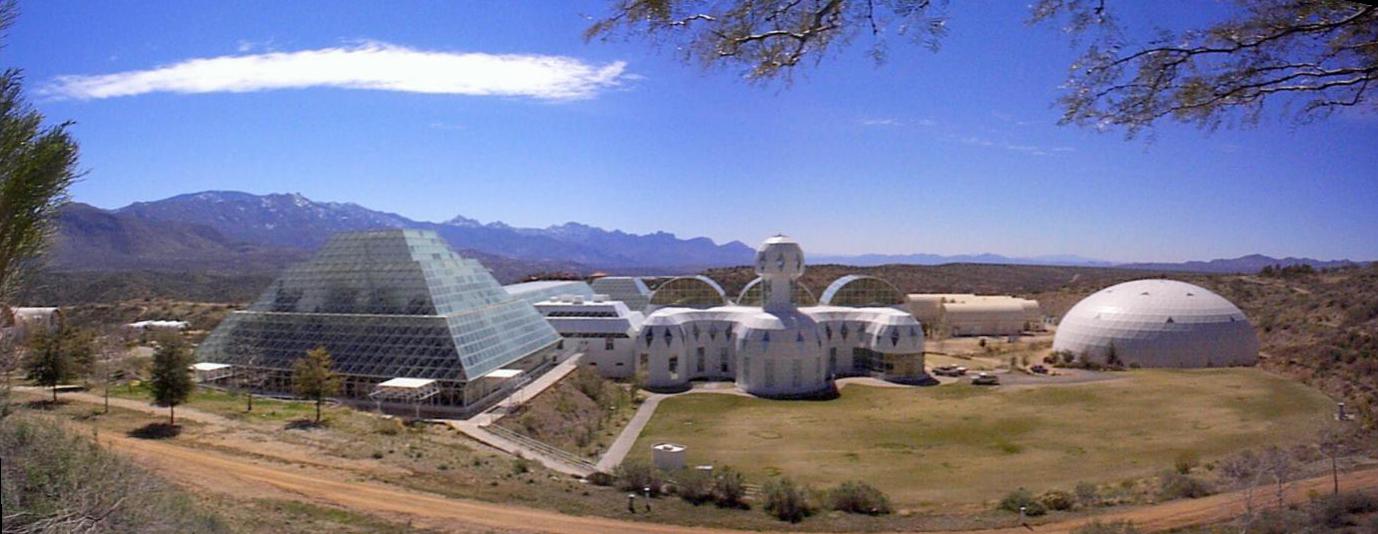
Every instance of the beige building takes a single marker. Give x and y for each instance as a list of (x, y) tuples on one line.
[(967, 314), (19, 323)]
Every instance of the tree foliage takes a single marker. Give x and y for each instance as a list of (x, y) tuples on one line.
[(58, 356), (1323, 53), (313, 378), (768, 39), (170, 381), (37, 164)]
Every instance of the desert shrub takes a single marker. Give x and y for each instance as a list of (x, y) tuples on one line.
[(787, 501), (1336, 511), (56, 481), (1088, 494), (637, 476), (1015, 499), (520, 466), (599, 478), (1057, 500), (1186, 461), (1174, 485), (694, 486), (729, 487), (1281, 521), (858, 498), (1113, 527)]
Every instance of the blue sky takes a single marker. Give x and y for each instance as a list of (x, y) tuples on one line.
[(950, 152)]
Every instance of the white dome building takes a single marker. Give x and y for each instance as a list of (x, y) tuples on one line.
[(1158, 323), (777, 349)]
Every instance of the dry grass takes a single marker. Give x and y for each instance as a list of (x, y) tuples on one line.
[(965, 446)]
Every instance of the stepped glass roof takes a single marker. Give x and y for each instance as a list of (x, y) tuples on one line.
[(385, 303)]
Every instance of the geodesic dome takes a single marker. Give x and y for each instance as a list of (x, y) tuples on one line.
[(1158, 323)]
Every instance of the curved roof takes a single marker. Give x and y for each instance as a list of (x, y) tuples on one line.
[(751, 294), (861, 291), (1158, 323), (689, 292)]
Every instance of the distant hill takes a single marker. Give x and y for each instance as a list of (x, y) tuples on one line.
[(294, 221), (92, 239), (872, 260), (1250, 264)]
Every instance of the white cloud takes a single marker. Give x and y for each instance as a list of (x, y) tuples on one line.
[(1032, 150), (371, 65), (881, 122)]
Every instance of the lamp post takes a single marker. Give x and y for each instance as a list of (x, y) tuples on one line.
[(1022, 509), (647, 489)]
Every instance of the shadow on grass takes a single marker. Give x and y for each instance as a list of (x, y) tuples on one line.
[(303, 424), (45, 404), (156, 431)]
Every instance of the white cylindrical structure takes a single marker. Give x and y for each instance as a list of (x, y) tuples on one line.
[(667, 456), (1158, 323)]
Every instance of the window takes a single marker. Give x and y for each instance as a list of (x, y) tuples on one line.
[(608, 343), (699, 367), (722, 360), (797, 371), (770, 373), (674, 367)]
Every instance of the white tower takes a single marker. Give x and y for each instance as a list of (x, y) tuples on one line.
[(780, 262)]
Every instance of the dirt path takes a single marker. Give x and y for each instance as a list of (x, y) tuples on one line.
[(190, 414), (217, 472)]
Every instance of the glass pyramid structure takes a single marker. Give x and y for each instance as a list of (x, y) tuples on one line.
[(386, 304)]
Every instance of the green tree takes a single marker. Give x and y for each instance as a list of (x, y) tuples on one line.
[(57, 356), (37, 165), (768, 39), (1321, 52), (313, 379), (170, 380)]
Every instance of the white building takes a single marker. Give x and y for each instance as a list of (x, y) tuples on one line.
[(540, 290), (17, 324), (604, 330), (1158, 323), (778, 349), (965, 314), (629, 290), (158, 325)]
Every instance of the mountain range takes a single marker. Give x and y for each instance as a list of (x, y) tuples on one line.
[(228, 231)]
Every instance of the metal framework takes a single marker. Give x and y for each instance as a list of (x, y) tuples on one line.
[(751, 295), (689, 292), (861, 291), (385, 304)]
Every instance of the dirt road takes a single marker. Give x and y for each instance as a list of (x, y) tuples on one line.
[(217, 472)]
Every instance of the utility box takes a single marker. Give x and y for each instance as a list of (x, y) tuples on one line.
[(668, 456)]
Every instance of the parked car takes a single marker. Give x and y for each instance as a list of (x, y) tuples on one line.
[(985, 379), (1039, 369), (949, 370)]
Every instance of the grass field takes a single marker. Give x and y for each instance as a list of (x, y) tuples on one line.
[(959, 445)]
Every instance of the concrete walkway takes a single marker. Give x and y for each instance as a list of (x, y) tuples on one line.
[(528, 391), (623, 444), (513, 444)]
